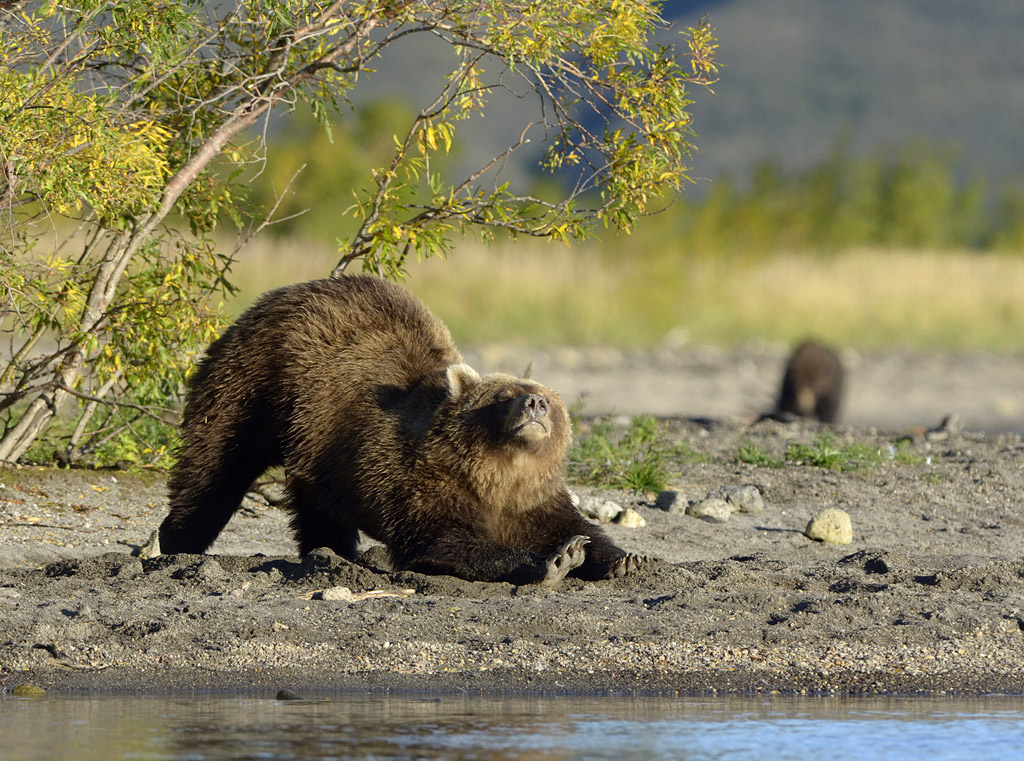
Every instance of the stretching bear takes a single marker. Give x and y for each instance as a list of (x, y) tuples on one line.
[(359, 391)]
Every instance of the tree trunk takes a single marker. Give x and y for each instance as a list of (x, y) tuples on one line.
[(17, 441)]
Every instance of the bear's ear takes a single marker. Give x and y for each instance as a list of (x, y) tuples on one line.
[(460, 379)]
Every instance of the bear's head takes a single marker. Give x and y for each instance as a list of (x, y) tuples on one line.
[(504, 436), (503, 412)]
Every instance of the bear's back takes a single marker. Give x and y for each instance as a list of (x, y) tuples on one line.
[(355, 329), (361, 364)]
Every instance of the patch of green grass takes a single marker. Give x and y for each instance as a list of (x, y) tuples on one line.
[(903, 453), (112, 439), (863, 456), (822, 452), (751, 454), (826, 452), (639, 458), (644, 475)]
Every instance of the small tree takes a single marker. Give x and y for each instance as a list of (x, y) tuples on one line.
[(124, 125)]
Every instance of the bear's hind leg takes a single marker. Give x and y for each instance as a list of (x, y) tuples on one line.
[(204, 493)]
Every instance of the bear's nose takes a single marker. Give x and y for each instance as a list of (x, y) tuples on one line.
[(536, 406)]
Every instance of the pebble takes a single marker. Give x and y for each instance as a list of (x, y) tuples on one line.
[(604, 510), (343, 594), (713, 510), (671, 501), (28, 691), (630, 518), (831, 525), (744, 499), (151, 547)]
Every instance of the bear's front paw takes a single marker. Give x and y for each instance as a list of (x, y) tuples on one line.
[(626, 564), (570, 555)]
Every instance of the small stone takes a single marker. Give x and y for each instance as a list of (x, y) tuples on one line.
[(744, 499), (831, 525), (209, 570), (239, 592), (82, 611), (150, 548), (714, 510), (670, 500), (28, 691), (603, 510), (950, 425), (630, 518), (343, 594)]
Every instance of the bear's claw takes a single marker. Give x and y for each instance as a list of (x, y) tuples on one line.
[(570, 555), (626, 564)]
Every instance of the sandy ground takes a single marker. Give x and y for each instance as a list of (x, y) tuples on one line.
[(891, 390), (929, 596)]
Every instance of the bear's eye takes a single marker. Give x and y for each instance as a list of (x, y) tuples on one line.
[(504, 396)]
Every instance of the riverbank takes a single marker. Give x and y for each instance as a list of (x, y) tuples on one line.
[(928, 597)]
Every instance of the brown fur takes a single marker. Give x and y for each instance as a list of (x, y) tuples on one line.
[(812, 385), (361, 394)]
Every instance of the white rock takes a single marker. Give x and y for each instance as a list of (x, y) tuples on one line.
[(630, 518), (714, 510), (745, 499), (603, 510), (831, 525), (151, 547), (335, 593)]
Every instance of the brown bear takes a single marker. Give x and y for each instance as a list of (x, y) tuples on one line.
[(360, 392), (812, 385)]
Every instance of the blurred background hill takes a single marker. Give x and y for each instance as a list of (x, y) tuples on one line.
[(800, 73), (859, 176)]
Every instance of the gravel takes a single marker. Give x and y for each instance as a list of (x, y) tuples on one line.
[(927, 598)]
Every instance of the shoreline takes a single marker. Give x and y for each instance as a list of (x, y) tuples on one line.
[(733, 682), (928, 599)]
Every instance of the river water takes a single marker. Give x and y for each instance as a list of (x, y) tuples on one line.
[(373, 726)]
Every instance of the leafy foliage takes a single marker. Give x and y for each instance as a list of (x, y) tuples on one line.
[(911, 196), (123, 124)]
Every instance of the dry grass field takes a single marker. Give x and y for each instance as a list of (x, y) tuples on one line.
[(546, 294)]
